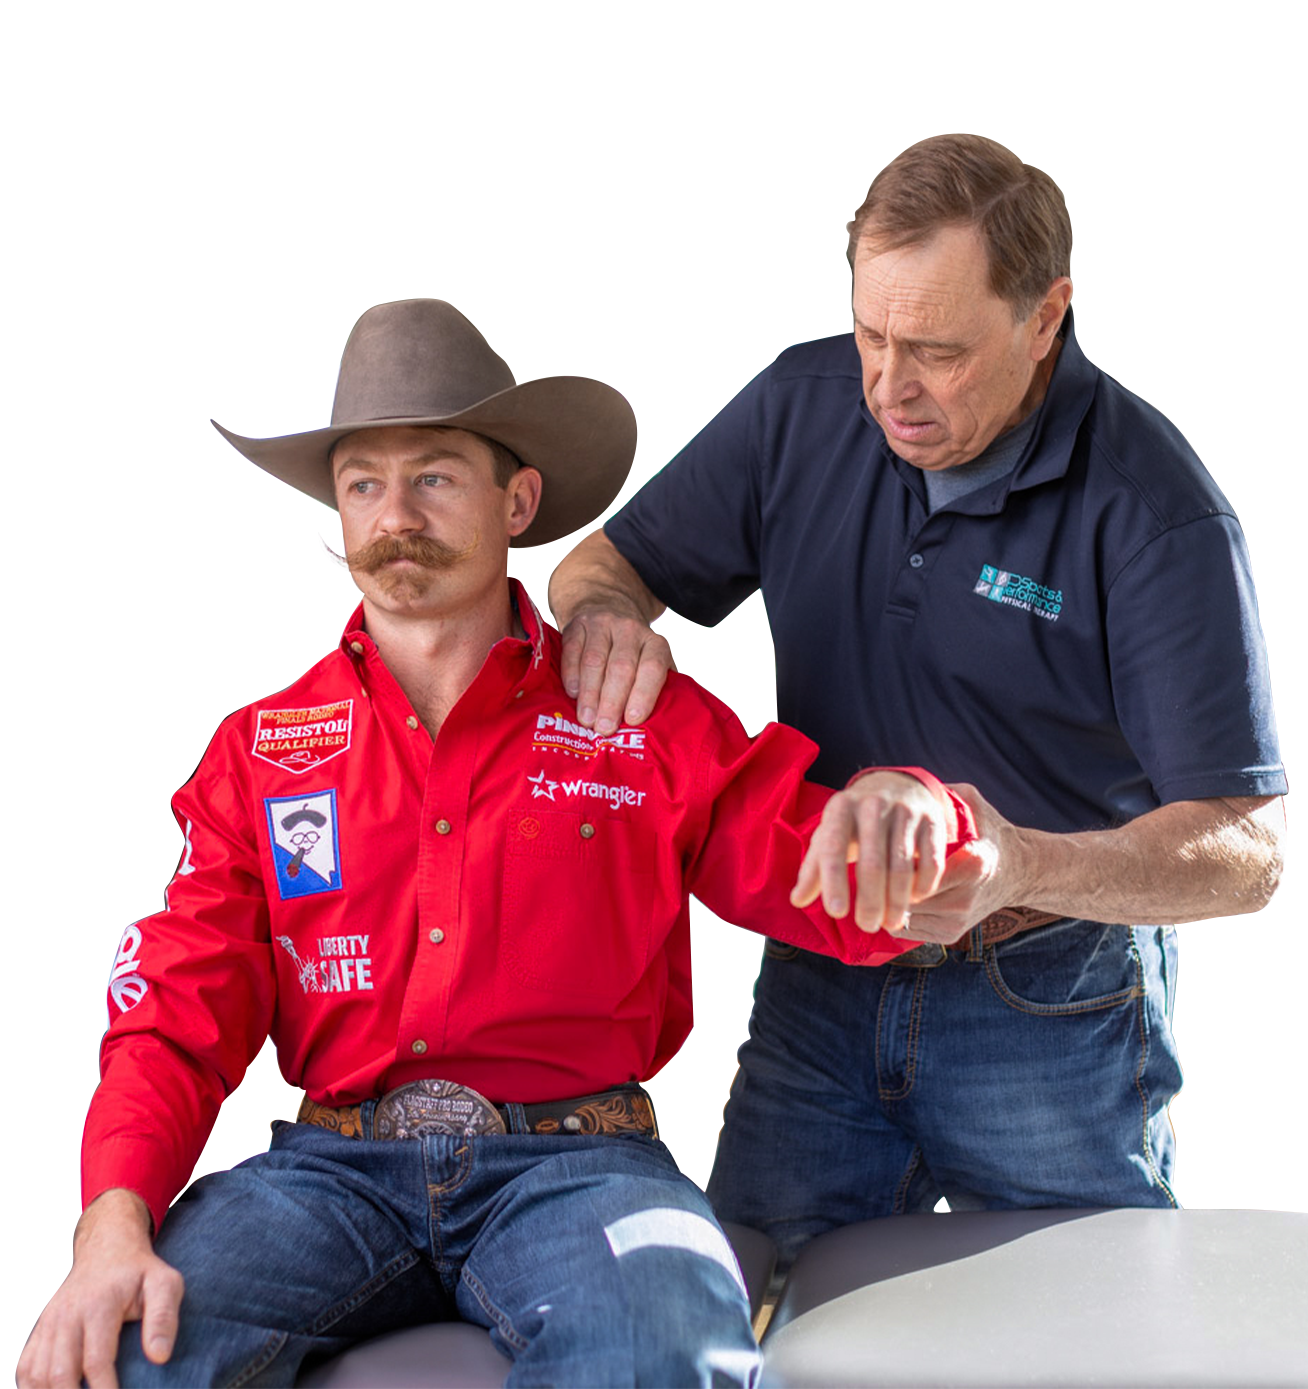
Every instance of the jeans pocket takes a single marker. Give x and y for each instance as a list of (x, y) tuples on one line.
[(1067, 968)]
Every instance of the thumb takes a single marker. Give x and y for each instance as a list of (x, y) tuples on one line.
[(808, 882), (161, 1297)]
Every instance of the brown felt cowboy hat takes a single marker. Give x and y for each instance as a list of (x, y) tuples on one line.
[(420, 362)]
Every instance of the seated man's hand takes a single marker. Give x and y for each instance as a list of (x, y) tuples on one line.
[(615, 665), (893, 829), (116, 1277)]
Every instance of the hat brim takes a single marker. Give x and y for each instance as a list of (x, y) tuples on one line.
[(579, 433)]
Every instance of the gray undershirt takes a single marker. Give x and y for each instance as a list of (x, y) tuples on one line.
[(994, 461)]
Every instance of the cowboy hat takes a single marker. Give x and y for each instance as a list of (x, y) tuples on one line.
[(420, 362)]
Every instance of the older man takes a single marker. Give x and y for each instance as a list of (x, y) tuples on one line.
[(462, 918), (981, 553)]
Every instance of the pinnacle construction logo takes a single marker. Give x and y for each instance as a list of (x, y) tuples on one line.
[(554, 733), (1013, 591)]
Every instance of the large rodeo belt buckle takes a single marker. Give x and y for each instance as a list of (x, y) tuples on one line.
[(434, 1106)]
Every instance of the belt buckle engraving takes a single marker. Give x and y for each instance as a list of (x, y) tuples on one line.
[(435, 1107)]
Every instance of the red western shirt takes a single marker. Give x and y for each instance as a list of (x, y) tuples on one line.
[(505, 907)]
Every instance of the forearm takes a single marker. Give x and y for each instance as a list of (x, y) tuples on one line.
[(1187, 861), (595, 576)]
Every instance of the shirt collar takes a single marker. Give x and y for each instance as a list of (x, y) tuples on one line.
[(529, 660)]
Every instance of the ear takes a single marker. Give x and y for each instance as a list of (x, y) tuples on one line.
[(1048, 317), (521, 500)]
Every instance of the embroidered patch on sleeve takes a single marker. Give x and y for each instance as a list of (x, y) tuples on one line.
[(299, 739), (305, 847)]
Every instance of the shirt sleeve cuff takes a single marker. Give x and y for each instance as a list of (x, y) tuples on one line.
[(959, 821)]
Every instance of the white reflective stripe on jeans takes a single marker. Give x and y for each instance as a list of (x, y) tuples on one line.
[(666, 1227)]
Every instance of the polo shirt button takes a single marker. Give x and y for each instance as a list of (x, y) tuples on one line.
[(588, 831), (419, 1047), (411, 721), (436, 935), (916, 561), (357, 647), (443, 827)]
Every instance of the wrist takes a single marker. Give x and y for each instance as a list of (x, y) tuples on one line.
[(119, 1210)]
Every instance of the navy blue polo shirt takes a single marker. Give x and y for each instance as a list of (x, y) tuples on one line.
[(1078, 638)]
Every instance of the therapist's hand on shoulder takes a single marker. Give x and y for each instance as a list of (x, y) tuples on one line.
[(614, 666)]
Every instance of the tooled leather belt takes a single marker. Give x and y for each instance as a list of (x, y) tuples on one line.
[(1000, 925), (426, 1107)]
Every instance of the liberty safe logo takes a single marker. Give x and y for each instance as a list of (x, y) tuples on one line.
[(305, 846)]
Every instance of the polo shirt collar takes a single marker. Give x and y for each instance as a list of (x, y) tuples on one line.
[(1049, 451)]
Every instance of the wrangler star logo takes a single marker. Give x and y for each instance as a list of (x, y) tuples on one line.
[(541, 787)]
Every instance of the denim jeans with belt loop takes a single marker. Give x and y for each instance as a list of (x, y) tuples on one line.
[(590, 1259), (1033, 1072)]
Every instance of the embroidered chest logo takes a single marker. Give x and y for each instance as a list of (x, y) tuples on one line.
[(1013, 591), (306, 854), (554, 733), (299, 739), (343, 964), (616, 796)]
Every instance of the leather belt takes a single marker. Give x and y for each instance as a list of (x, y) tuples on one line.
[(1008, 921), (999, 925), (443, 1107)]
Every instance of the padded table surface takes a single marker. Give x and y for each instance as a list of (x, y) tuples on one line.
[(1112, 1297)]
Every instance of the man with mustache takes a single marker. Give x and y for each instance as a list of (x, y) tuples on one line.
[(979, 552), (463, 919)]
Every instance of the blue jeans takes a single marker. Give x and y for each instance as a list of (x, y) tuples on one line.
[(1035, 1072), (591, 1260)]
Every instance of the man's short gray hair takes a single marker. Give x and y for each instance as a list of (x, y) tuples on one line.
[(967, 180)]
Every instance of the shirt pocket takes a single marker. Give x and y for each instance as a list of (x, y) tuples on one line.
[(578, 895)]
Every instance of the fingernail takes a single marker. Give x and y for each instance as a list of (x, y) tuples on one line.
[(586, 714), (605, 726), (838, 906)]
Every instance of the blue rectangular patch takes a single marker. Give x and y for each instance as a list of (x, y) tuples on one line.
[(305, 844)]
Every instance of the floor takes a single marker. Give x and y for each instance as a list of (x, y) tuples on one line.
[(79, 881)]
